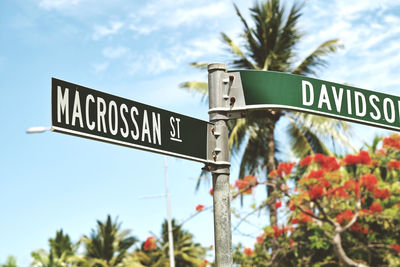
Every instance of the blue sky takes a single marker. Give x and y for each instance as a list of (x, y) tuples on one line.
[(141, 50)]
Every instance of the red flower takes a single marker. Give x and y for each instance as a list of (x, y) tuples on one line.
[(316, 191), (356, 227), (204, 263), (369, 181), (340, 192), (394, 164), (364, 157), (246, 184), (344, 216), (380, 152), (306, 161), (150, 244), (375, 207), (396, 247), (392, 141), (292, 243), (353, 185), (284, 168), (305, 218), (200, 207), (295, 221), (292, 206), (248, 251), (277, 231), (330, 164), (316, 174), (350, 159), (260, 238), (273, 174), (211, 191), (364, 230), (319, 158), (278, 204), (382, 193)]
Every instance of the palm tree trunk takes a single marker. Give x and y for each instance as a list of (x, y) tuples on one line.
[(273, 214)]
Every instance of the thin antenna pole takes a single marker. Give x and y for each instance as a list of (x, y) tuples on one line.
[(170, 237)]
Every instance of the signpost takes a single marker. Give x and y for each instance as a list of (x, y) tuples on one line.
[(85, 112)]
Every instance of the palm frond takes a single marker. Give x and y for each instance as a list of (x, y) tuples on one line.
[(197, 87), (304, 141), (200, 65), (237, 134), (316, 59), (244, 61)]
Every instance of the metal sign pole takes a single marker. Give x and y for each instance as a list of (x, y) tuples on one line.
[(220, 169)]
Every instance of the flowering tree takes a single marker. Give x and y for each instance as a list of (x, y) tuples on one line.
[(333, 211)]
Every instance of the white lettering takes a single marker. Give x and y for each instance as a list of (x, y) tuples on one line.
[(156, 128), (112, 108), (89, 124), (360, 110), (145, 127), (76, 110), (338, 98), (304, 86), (377, 115), (324, 98), (171, 122), (101, 113), (178, 128), (135, 135), (348, 93), (123, 109), (387, 101), (62, 104)]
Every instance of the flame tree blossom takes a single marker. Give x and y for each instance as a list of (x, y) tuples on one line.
[(337, 214)]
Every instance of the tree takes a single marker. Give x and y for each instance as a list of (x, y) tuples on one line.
[(11, 262), (107, 245), (62, 252), (270, 45), (342, 212), (156, 252)]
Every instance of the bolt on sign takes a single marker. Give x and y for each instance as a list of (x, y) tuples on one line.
[(84, 112), (265, 89)]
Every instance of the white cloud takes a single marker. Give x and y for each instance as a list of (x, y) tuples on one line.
[(57, 4), (370, 34), (172, 14), (100, 67), (101, 31), (115, 52)]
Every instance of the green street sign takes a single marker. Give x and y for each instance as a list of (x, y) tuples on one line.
[(264, 89), (84, 112)]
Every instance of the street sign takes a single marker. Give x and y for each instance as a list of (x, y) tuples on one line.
[(264, 89), (84, 112)]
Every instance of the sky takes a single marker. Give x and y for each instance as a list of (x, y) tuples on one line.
[(141, 50)]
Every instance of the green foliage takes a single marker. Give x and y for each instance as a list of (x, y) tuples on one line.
[(11, 262), (186, 252), (338, 212), (107, 245), (62, 252)]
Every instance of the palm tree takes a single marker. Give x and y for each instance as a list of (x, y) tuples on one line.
[(270, 45), (11, 262), (186, 252), (107, 246), (62, 252)]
